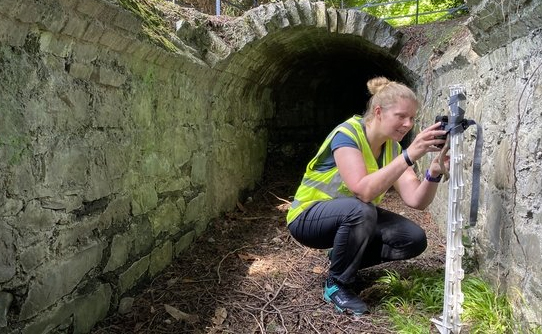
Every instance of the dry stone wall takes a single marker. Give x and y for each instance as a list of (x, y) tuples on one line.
[(502, 73), (115, 155)]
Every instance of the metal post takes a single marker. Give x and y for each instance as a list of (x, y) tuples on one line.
[(450, 322), (217, 7)]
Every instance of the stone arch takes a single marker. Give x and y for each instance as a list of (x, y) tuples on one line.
[(309, 64)]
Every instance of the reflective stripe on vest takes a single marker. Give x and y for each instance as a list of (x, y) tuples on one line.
[(319, 186)]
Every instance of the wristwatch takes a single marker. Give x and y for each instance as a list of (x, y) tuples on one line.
[(429, 178)]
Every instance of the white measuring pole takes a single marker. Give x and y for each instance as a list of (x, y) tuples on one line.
[(450, 322)]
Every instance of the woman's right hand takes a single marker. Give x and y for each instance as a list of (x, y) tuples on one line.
[(426, 141)]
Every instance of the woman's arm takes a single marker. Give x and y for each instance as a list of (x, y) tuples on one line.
[(368, 186), (354, 173), (419, 194)]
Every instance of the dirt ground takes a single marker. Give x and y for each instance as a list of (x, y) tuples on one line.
[(246, 274)]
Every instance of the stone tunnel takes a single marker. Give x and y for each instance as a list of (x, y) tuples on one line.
[(119, 145), (315, 61)]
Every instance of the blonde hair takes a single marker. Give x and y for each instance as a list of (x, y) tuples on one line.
[(386, 93)]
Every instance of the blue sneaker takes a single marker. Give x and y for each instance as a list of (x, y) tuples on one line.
[(343, 299)]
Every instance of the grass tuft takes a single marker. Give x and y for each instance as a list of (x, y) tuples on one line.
[(411, 302)]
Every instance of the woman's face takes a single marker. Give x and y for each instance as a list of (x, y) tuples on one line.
[(398, 119)]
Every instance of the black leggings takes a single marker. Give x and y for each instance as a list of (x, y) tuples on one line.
[(360, 234)]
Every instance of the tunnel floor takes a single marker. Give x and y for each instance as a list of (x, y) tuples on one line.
[(245, 274)]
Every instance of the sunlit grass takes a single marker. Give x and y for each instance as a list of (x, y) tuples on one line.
[(412, 301)]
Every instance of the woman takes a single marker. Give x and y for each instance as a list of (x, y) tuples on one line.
[(335, 205)]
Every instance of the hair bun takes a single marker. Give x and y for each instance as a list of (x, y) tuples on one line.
[(376, 84)]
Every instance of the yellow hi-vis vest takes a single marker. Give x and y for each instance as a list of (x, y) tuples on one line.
[(319, 186)]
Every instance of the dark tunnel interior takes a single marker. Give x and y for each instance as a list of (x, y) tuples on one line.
[(319, 87)]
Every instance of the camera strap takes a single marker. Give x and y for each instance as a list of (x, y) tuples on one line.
[(458, 125)]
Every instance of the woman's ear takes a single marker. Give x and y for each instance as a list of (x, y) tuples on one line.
[(377, 112)]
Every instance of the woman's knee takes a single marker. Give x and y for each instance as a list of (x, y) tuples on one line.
[(361, 211), (419, 241)]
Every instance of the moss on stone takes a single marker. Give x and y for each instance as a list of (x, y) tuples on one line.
[(154, 26)]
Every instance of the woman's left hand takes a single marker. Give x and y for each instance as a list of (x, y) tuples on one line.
[(439, 167)]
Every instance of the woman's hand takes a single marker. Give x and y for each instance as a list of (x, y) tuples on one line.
[(440, 165), (426, 141)]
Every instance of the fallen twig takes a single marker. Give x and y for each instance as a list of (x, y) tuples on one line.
[(220, 263), (271, 300)]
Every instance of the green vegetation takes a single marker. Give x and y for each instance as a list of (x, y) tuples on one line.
[(14, 147), (403, 13), (154, 26), (412, 301)]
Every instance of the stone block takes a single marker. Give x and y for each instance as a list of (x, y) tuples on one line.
[(199, 173), (139, 49), (81, 71), (142, 228), (68, 203), (174, 183), (153, 55), (92, 8), (144, 199), (66, 169), (342, 17), (154, 165), (53, 18), (332, 19), (276, 18), (10, 8), (503, 167), (160, 258), (10, 206), (68, 3), (22, 181), (257, 25), (306, 14), (75, 26), (133, 275), (320, 16), (30, 12), (56, 280), (125, 305), (108, 12), (99, 184), (117, 211), (12, 33), (109, 77), (33, 256), (91, 308), (120, 251), (353, 21), (6, 299), (184, 242), (71, 235), (163, 58), (58, 46), (35, 218), (196, 209), (94, 32), (388, 38), (127, 21), (79, 313), (85, 53), (200, 226), (292, 13), (166, 218), (58, 316), (114, 40)]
